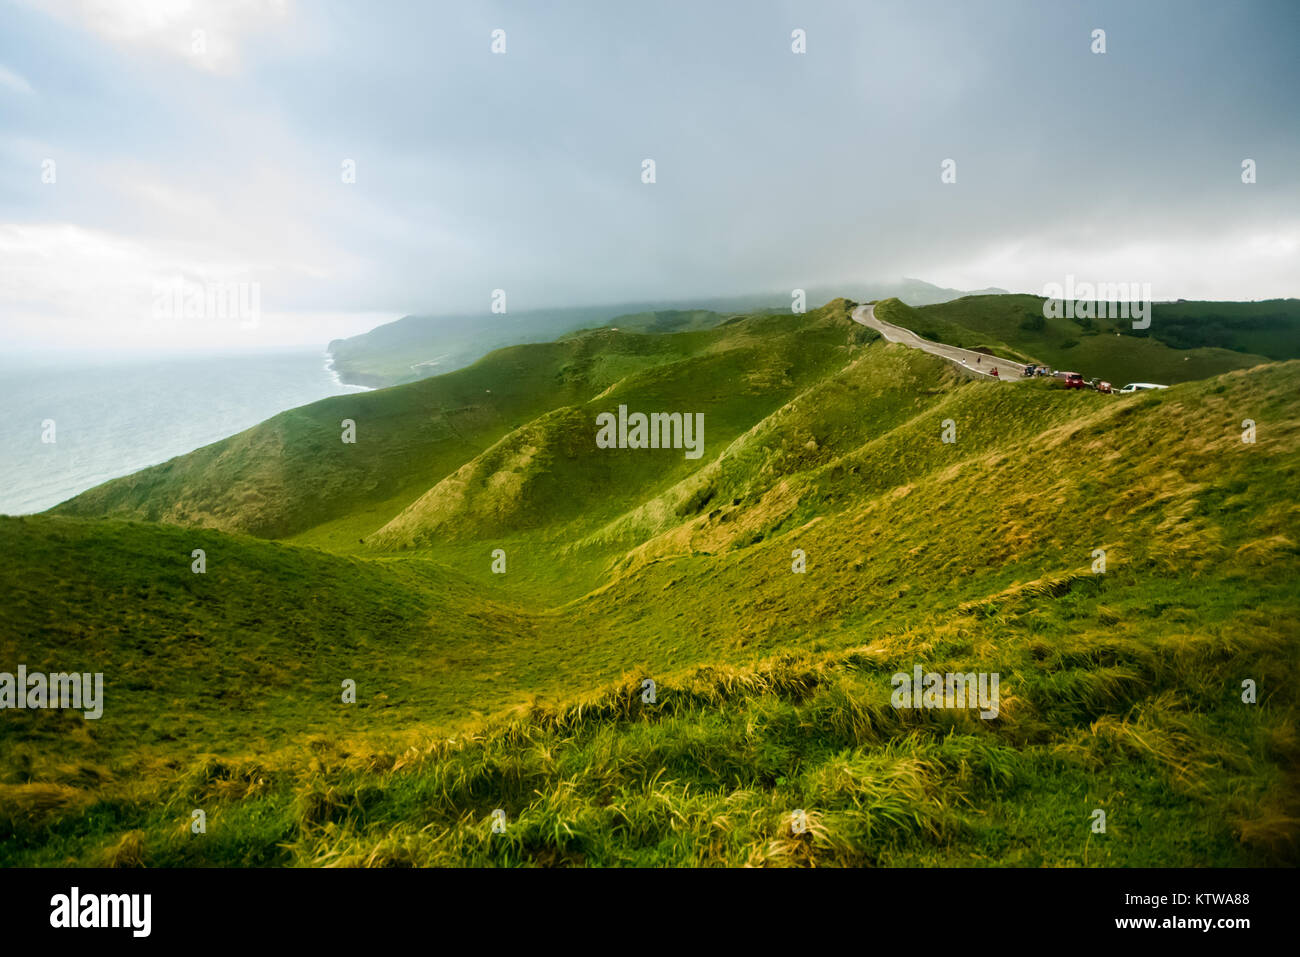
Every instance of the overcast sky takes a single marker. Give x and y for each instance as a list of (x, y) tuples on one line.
[(223, 161)]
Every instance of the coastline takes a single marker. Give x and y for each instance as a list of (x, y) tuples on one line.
[(338, 379), (118, 418)]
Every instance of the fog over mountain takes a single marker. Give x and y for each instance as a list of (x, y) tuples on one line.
[(358, 173)]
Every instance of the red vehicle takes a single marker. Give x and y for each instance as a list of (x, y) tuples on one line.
[(1073, 380), (1104, 387)]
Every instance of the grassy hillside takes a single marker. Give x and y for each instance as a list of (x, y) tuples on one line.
[(1269, 328), (407, 438), (665, 321), (416, 347), (293, 473), (551, 472), (523, 691), (244, 655), (1109, 348)]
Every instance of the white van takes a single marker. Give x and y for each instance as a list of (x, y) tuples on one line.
[(1140, 387)]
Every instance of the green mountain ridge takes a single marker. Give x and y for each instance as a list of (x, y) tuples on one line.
[(417, 346)]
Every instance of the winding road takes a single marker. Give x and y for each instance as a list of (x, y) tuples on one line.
[(1009, 370)]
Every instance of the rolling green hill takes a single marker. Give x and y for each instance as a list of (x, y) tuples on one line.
[(244, 655), (1269, 328), (407, 439), (416, 347), (410, 438), (1186, 340), (1121, 689)]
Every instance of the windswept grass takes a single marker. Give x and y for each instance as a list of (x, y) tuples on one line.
[(712, 772)]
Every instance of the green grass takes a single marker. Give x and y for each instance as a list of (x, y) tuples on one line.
[(410, 437), (1111, 349), (711, 773), (245, 655), (416, 347), (1269, 328), (522, 691)]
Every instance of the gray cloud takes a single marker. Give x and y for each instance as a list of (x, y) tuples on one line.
[(521, 171)]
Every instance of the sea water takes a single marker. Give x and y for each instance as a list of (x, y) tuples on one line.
[(115, 416)]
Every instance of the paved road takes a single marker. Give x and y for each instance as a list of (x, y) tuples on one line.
[(1008, 369)]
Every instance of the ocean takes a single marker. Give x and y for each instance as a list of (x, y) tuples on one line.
[(112, 417)]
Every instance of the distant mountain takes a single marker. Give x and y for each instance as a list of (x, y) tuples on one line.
[(417, 346), (914, 292)]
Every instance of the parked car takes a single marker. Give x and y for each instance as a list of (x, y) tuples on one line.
[(1140, 387), (1029, 370), (1073, 380), (1104, 387)]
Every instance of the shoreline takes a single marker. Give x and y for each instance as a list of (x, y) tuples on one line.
[(338, 379), (108, 445)]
